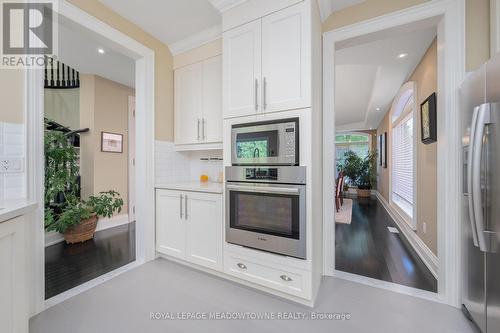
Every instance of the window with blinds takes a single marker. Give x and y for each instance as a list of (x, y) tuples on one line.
[(402, 160)]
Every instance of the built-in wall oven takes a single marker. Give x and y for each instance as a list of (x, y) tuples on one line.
[(273, 142), (266, 208)]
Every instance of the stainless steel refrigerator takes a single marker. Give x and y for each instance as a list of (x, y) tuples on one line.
[(480, 98)]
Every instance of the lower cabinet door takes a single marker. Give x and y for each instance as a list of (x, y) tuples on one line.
[(204, 229), (171, 223), (13, 276)]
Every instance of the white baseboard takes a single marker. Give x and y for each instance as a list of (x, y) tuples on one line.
[(430, 259), (53, 237)]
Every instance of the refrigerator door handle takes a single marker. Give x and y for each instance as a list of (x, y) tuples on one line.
[(483, 119), (470, 179)]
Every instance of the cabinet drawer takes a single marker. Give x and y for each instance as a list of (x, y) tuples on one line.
[(290, 281)]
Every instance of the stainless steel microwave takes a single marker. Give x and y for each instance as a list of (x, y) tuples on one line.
[(270, 143)]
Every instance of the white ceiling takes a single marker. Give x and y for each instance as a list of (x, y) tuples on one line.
[(170, 21), (369, 75), (78, 49)]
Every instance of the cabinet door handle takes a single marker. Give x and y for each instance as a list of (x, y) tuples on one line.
[(186, 206), (198, 131), (203, 128), (264, 93), (241, 266), (286, 278), (180, 206), (256, 92)]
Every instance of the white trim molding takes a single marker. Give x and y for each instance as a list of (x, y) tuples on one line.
[(327, 7), (430, 259), (450, 18), (196, 40)]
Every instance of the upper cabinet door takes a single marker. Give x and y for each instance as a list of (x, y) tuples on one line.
[(212, 100), (188, 104), (286, 64), (242, 70)]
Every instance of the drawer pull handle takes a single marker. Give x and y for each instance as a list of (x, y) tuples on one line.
[(286, 278), (241, 266)]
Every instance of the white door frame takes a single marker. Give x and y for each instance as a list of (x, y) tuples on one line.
[(145, 110), (451, 64), (131, 158)]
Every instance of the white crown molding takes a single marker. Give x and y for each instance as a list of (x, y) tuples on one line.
[(196, 40), (327, 7), (223, 5)]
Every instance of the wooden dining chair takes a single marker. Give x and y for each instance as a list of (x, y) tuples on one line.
[(339, 200)]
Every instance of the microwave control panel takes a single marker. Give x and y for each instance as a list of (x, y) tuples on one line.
[(290, 140)]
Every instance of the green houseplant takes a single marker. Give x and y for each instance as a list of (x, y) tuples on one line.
[(65, 211), (360, 171)]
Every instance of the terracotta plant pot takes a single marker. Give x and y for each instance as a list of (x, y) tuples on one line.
[(81, 232), (363, 193)]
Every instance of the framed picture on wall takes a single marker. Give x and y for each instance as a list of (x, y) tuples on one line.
[(428, 120), (379, 144), (111, 142)]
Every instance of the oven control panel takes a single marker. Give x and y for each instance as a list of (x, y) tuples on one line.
[(261, 173)]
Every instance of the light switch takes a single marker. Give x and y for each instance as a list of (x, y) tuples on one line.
[(11, 165)]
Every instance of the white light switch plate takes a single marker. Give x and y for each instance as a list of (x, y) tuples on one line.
[(11, 165)]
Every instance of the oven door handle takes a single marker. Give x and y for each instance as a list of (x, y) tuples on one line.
[(259, 189)]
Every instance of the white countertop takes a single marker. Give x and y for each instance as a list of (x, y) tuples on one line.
[(194, 186), (10, 209)]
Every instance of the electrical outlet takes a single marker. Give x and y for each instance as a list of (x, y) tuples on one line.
[(11, 165), (424, 227)]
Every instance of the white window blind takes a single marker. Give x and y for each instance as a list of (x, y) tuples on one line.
[(402, 163)]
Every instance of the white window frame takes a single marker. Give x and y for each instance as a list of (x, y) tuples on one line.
[(400, 102), (369, 143)]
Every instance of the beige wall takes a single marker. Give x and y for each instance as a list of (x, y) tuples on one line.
[(11, 96), (63, 106), (477, 23), (198, 54), (425, 76), (164, 85), (104, 107)]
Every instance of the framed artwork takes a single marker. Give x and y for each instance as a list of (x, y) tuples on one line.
[(379, 144), (111, 142), (428, 124)]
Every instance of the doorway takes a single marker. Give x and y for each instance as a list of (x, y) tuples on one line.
[(447, 17), (143, 59)]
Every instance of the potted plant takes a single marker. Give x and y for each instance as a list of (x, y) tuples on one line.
[(360, 171), (65, 211)]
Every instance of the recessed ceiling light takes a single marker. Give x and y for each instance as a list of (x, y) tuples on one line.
[(402, 55), (101, 51), (377, 109)]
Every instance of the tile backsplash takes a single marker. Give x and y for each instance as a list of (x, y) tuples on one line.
[(173, 167), (12, 161)]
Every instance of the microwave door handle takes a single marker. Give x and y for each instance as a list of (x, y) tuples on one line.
[(483, 119), (276, 190), (470, 179)]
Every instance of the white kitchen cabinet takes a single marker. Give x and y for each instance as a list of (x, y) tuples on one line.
[(188, 104), (170, 224), (267, 65), (204, 229), (286, 73), (242, 70), (13, 276), (212, 100), (198, 104), (189, 226)]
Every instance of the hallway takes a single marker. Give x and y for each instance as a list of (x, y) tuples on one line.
[(366, 247)]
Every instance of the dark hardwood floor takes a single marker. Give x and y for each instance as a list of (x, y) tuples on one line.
[(366, 247), (67, 266)]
